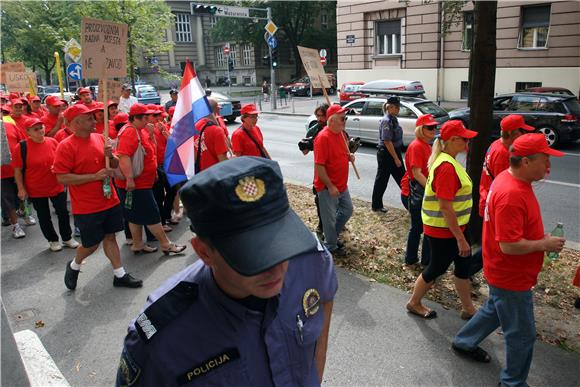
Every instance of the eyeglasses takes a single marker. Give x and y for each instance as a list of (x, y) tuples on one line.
[(430, 128)]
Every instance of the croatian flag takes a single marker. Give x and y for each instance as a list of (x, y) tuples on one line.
[(192, 105)]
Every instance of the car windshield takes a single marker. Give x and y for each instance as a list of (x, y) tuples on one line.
[(351, 88), (146, 89), (430, 108), (573, 106), (51, 89)]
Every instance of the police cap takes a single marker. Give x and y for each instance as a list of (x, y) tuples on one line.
[(394, 100)]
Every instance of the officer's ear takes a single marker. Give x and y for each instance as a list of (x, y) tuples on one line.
[(203, 249)]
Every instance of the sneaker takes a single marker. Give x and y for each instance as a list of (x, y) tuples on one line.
[(127, 281), (380, 210), (71, 243), (77, 232), (29, 220), (71, 276), (55, 246), (17, 231), (5, 222)]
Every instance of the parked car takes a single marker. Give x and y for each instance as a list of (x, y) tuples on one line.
[(301, 87), (556, 116), (229, 108), (393, 87), (68, 96), (366, 113), (550, 90), (349, 91), (45, 91), (147, 94)]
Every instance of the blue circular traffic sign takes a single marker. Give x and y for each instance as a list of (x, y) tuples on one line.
[(75, 71)]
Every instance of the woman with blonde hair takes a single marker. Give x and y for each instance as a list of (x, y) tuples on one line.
[(445, 213)]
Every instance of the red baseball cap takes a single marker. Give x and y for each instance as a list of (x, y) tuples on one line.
[(456, 128), (171, 110), (249, 109), (33, 98), (99, 106), (121, 118), (17, 101), (30, 122), (83, 90), (52, 100), (333, 109), (426, 120), (532, 143), (111, 103), (76, 110), (139, 108), (515, 122), (6, 108)]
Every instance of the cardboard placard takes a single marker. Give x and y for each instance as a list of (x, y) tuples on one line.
[(104, 49), (311, 61), (14, 67), (20, 81), (113, 90)]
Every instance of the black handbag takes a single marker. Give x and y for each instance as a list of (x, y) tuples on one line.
[(416, 193)]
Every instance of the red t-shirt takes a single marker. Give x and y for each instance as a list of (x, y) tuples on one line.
[(512, 214), (62, 134), (213, 143), (127, 145), (417, 155), (161, 143), (19, 121), (100, 129), (330, 151), (37, 114), (497, 160), (222, 123), (49, 122), (91, 105), (84, 155), (14, 137), (39, 180), (243, 145), (445, 184)]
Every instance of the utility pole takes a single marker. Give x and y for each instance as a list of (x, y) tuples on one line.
[(272, 72)]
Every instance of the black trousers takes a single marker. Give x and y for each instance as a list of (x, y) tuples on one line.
[(164, 195), (317, 202), (386, 167), (45, 221)]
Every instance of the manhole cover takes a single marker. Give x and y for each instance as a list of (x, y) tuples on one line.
[(24, 315)]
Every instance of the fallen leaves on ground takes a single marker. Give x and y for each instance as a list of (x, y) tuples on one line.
[(39, 324)]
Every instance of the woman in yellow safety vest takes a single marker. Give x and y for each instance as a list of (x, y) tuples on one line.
[(445, 213)]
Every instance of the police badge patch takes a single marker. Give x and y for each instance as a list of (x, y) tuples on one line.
[(311, 302), (250, 189)]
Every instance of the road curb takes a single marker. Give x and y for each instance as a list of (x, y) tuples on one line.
[(40, 368)]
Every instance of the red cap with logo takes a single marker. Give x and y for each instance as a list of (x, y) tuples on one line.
[(334, 109), (456, 128), (532, 143), (139, 108), (515, 122), (83, 90), (17, 101), (53, 100), (121, 118), (249, 109), (76, 110), (111, 103), (426, 120), (30, 122)]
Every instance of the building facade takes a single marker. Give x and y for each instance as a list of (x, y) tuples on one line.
[(538, 44)]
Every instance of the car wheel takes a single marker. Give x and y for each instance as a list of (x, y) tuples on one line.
[(231, 119), (551, 135)]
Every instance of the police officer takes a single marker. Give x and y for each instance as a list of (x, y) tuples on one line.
[(255, 309), (389, 159)]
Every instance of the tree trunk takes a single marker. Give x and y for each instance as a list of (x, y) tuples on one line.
[(481, 91)]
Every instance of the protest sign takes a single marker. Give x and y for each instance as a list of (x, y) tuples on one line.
[(104, 47), (20, 82), (14, 67), (311, 61), (113, 90)]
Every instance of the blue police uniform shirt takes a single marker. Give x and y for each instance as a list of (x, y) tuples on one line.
[(390, 130), (192, 334)]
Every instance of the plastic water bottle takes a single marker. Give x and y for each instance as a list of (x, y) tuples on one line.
[(129, 200), (557, 232)]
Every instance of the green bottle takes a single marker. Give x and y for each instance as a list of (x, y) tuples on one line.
[(557, 232), (129, 200)]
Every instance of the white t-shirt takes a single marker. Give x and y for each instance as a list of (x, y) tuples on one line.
[(126, 103)]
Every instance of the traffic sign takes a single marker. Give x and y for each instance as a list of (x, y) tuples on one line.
[(72, 50), (323, 53), (271, 27), (272, 42), (75, 71), (350, 39), (323, 60), (226, 50)]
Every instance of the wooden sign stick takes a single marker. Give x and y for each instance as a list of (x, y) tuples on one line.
[(107, 182)]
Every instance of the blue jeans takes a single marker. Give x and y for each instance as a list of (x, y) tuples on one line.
[(514, 312), (414, 237), (334, 212)]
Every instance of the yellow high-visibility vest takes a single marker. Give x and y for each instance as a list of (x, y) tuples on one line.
[(431, 211)]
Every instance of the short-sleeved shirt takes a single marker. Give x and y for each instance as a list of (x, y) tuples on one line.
[(126, 103), (13, 136), (49, 121), (62, 134), (512, 214), (39, 180), (19, 122), (330, 151), (222, 124), (213, 143), (231, 345), (242, 144), (445, 184), (390, 130), (37, 114), (497, 160), (417, 155), (160, 143), (127, 146), (81, 156), (100, 129)]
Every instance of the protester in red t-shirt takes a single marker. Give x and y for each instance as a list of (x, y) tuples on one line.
[(17, 105), (113, 109), (35, 108), (513, 249), (247, 140), (331, 157), (215, 108), (213, 148), (416, 158), (53, 120), (80, 164), (136, 191), (100, 121), (86, 98), (37, 182)]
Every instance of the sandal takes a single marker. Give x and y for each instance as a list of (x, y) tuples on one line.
[(427, 315), (477, 354), (146, 250), (174, 249)]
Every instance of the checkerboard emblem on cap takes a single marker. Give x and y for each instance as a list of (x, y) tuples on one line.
[(250, 189)]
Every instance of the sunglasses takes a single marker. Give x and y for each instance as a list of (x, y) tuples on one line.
[(430, 128)]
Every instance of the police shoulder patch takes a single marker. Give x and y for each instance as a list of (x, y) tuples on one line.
[(165, 309)]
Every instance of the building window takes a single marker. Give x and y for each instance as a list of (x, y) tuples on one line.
[(464, 94), (388, 37), (520, 86), (248, 53), (220, 57), (182, 28), (212, 21), (234, 54), (467, 31), (324, 21), (535, 26), (247, 81)]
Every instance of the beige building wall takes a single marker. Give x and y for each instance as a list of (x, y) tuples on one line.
[(421, 47)]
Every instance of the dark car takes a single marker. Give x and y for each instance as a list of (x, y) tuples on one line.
[(556, 116), (301, 87)]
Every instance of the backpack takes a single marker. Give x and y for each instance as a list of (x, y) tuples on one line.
[(137, 160)]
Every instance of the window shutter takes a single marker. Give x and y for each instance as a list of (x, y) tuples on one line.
[(536, 16)]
